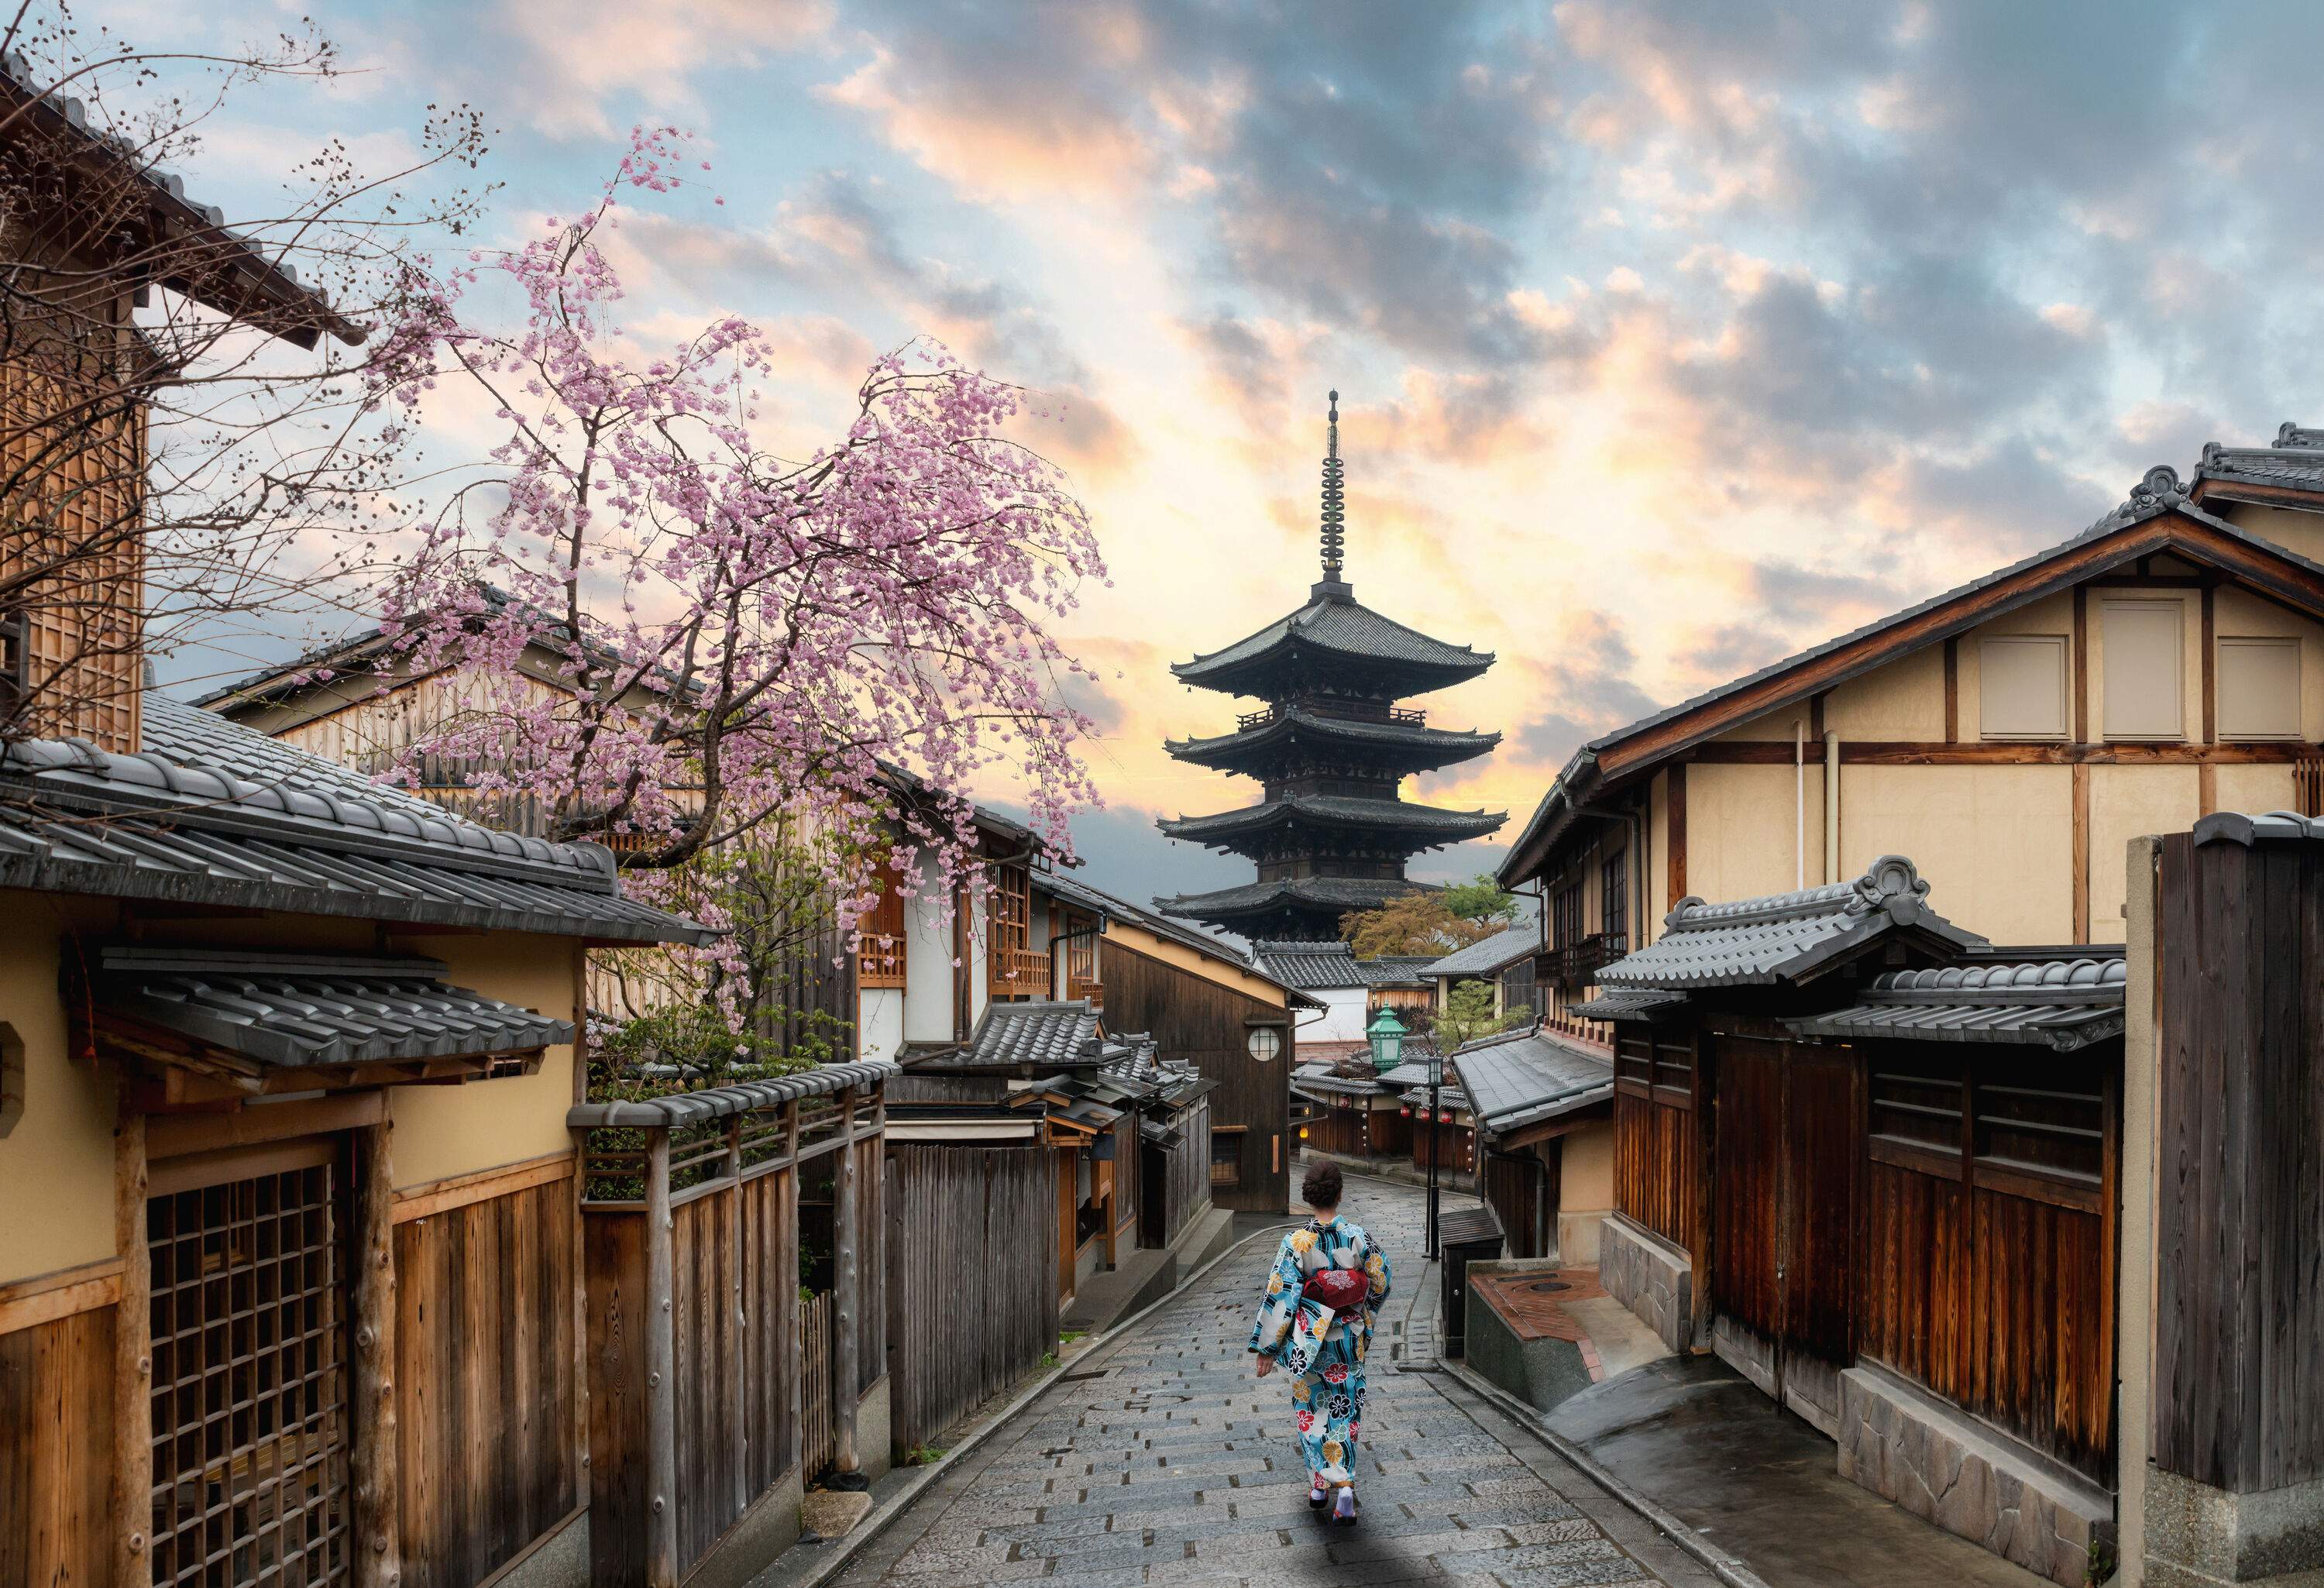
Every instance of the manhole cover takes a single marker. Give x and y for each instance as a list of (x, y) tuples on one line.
[(1545, 1286)]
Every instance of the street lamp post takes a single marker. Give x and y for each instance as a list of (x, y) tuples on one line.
[(1436, 1137)]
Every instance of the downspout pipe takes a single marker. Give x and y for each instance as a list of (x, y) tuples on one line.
[(1798, 804), (1831, 806)]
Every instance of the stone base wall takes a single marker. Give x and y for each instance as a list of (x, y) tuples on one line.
[(1651, 1278), (1937, 1462), (2197, 1536)]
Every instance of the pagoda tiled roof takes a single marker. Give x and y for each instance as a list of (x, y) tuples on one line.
[(1338, 628), (1299, 893), (1406, 746), (1426, 822)]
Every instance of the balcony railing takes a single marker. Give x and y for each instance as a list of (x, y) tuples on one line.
[(880, 961), (1574, 963), (1354, 711), (1017, 972)]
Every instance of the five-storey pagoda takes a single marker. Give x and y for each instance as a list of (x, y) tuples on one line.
[(1330, 836)]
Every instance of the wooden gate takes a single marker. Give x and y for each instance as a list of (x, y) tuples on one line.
[(972, 1250), (251, 1483), (1782, 1277)]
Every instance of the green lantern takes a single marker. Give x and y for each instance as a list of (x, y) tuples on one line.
[(1386, 1034)]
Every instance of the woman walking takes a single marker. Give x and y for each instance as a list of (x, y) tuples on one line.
[(1315, 1320)]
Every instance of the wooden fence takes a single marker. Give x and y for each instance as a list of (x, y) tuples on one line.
[(817, 1441), (703, 1391), (1186, 1187), (971, 1284)]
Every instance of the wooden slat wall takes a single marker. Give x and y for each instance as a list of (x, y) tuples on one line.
[(1512, 1186), (1187, 1183), (972, 1247), (614, 1249), (484, 1368), (1656, 1167), (1995, 1302), (1197, 1020), (1338, 1131), (2240, 1294), (738, 1375), (871, 1309), (56, 1450), (1748, 1165)]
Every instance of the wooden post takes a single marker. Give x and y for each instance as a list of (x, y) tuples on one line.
[(846, 1302), (133, 1361), (661, 1388), (378, 1552)]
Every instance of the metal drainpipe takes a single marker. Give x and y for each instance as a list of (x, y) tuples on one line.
[(1831, 806), (1799, 803)]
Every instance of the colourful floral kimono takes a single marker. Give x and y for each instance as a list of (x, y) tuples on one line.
[(1324, 1351)]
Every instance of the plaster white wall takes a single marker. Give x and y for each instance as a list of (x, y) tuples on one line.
[(880, 1021)]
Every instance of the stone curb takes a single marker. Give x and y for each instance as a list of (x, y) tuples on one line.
[(1725, 1567), (823, 1567)]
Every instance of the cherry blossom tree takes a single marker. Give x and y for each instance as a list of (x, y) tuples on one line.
[(850, 641)]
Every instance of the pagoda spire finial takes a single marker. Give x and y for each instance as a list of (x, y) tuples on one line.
[(1335, 513)]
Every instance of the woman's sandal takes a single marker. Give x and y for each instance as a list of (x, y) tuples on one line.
[(1345, 1515), (1319, 1495)]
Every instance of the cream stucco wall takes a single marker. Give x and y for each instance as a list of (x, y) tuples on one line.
[(1585, 1192), (55, 1166), (2256, 788), (442, 1130), (1904, 700), (2125, 802), (1214, 967), (1740, 824), (1996, 843), (2289, 528)]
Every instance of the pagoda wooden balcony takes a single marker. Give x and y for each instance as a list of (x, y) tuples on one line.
[(1017, 972), (1354, 711)]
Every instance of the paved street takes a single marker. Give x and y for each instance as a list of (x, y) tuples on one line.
[(1161, 1460)]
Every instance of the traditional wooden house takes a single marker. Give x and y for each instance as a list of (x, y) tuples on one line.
[(1330, 749), (2011, 734), (1542, 1107), (1504, 962), (286, 1059), (1873, 1162), (1349, 991)]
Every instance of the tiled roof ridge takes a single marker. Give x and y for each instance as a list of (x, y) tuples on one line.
[(74, 768), (2099, 976), (1891, 883)]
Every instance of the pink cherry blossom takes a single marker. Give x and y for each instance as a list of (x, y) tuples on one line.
[(850, 643)]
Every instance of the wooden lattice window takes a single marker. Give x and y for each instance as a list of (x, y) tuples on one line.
[(1565, 918), (1226, 1157), (1661, 1070), (1614, 902), (250, 1384), (879, 950), (1017, 970)]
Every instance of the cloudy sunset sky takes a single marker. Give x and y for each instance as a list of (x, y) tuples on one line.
[(1669, 337)]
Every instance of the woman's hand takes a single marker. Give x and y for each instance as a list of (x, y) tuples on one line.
[(1266, 1366)]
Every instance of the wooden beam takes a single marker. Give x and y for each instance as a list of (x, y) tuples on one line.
[(2081, 855), (175, 1135), (1674, 833), (457, 1191), (2081, 679), (2036, 753), (1952, 689), (2210, 666), (372, 1456), (847, 1288), (67, 1293), (133, 1360), (2207, 789), (661, 1357)]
